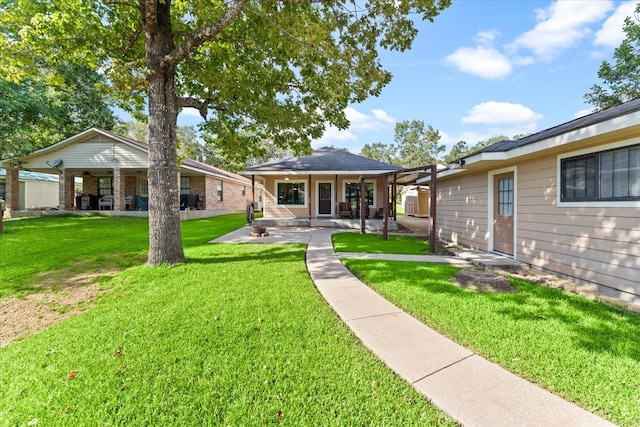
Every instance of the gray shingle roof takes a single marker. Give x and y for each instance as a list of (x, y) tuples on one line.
[(581, 122), (324, 159)]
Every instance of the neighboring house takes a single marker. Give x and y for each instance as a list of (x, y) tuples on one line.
[(316, 186), (112, 165), (35, 190), (565, 200)]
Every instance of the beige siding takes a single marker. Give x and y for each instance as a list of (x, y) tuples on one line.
[(40, 194), (462, 210), (598, 245)]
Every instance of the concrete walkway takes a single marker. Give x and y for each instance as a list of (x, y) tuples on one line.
[(470, 389)]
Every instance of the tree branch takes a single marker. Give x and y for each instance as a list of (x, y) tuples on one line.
[(198, 104), (204, 34)]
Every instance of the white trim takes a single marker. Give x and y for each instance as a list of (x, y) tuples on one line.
[(490, 201), (321, 172), (594, 204), (333, 202), (306, 193), (566, 138)]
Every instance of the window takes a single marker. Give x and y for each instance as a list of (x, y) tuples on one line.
[(243, 191), (144, 187), (105, 185), (185, 184), (219, 190), (3, 190), (505, 197), (606, 175), (352, 193), (291, 193)]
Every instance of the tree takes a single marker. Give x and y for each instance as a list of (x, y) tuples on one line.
[(277, 69), (381, 152), (459, 150), (417, 145), (37, 113), (621, 79)]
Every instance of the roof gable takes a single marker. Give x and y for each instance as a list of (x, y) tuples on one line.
[(325, 159)]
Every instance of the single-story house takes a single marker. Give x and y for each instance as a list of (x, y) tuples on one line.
[(113, 171), (565, 200), (328, 184)]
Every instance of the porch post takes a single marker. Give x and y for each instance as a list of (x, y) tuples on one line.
[(394, 196), (118, 189), (12, 190), (65, 190), (362, 207), (253, 197), (309, 197), (336, 214), (385, 207), (432, 209)]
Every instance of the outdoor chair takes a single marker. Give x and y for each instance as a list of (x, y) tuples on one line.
[(344, 210), (106, 202), (128, 203)]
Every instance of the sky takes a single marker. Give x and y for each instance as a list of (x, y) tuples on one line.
[(486, 68)]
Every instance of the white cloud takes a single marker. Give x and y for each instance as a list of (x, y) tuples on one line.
[(501, 113), (583, 113), (611, 33), (361, 123), (482, 61), (560, 26)]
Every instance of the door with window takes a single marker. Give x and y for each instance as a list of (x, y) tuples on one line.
[(325, 199), (503, 212)]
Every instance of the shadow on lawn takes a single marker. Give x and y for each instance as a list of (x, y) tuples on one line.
[(233, 252)]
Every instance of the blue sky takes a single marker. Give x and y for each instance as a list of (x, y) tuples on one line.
[(485, 68)]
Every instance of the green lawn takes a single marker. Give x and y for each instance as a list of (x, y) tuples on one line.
[(236, 336), (585, 351), (373, 243)]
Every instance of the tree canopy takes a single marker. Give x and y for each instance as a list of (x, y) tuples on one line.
[(37, 113), (256, 70), (621, 80)]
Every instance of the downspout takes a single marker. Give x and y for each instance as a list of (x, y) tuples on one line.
[(253, 197), (309, 192), (336, 214)]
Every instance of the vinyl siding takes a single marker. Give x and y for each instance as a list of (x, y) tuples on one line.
[(462, 211), (598, 245)]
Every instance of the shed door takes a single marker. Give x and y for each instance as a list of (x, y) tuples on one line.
[(325, 197), (503, 212)]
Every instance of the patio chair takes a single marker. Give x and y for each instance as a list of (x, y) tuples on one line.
[(128, 203), (106, 202), (344, 210)]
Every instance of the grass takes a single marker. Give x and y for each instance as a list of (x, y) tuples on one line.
[(585, 351), (373, 243), (236, 336)]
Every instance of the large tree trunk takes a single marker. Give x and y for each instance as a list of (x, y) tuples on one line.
[(165, 240)]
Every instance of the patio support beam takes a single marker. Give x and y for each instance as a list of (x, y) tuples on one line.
[(336, 214), (385, 207), (65, 190), (362, 206), (253, 198), (118, 189), (432, 209), (394, 194), (309, 198)]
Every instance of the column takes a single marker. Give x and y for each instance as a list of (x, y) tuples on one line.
[(13, 189), (118, 189)]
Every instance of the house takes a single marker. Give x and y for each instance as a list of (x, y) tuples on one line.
[(327, 185), (564, 200), (113, 172)]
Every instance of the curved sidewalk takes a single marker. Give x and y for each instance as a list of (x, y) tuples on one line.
[(470, 389), (467, 387)]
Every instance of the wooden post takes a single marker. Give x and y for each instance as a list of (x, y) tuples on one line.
[(362, 207), (253, 197), (385, 206), (432, 209)]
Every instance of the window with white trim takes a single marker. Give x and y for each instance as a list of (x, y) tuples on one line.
[(219, 191), (291, 193), (612, 175)]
